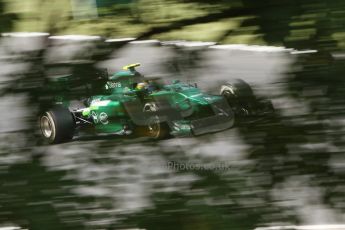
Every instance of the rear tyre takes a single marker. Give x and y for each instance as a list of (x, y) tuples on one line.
[(57, 125)]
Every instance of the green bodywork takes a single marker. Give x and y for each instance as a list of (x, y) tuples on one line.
[(120, 105)]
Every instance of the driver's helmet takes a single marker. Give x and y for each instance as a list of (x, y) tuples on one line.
[(141, 86)]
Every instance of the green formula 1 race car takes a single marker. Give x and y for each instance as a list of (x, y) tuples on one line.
[(128, 103)]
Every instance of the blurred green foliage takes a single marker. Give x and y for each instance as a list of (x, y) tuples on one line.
[(294, 23)]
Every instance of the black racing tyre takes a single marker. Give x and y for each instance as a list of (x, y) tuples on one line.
[(57, 125), (239, 95), (238, 89)]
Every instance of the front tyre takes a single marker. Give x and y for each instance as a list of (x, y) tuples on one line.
[(57, 125), (237, 90), (239, 96)]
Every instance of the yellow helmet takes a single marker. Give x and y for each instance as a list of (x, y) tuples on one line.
[(141, 85)]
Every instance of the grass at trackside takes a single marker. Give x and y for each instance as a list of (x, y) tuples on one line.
[(35, 15), (129, 20)]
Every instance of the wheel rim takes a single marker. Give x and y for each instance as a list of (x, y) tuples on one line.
[(153, 126), (228, 94), (46, 127)]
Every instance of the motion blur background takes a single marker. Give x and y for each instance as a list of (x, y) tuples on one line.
[(287, 170)]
